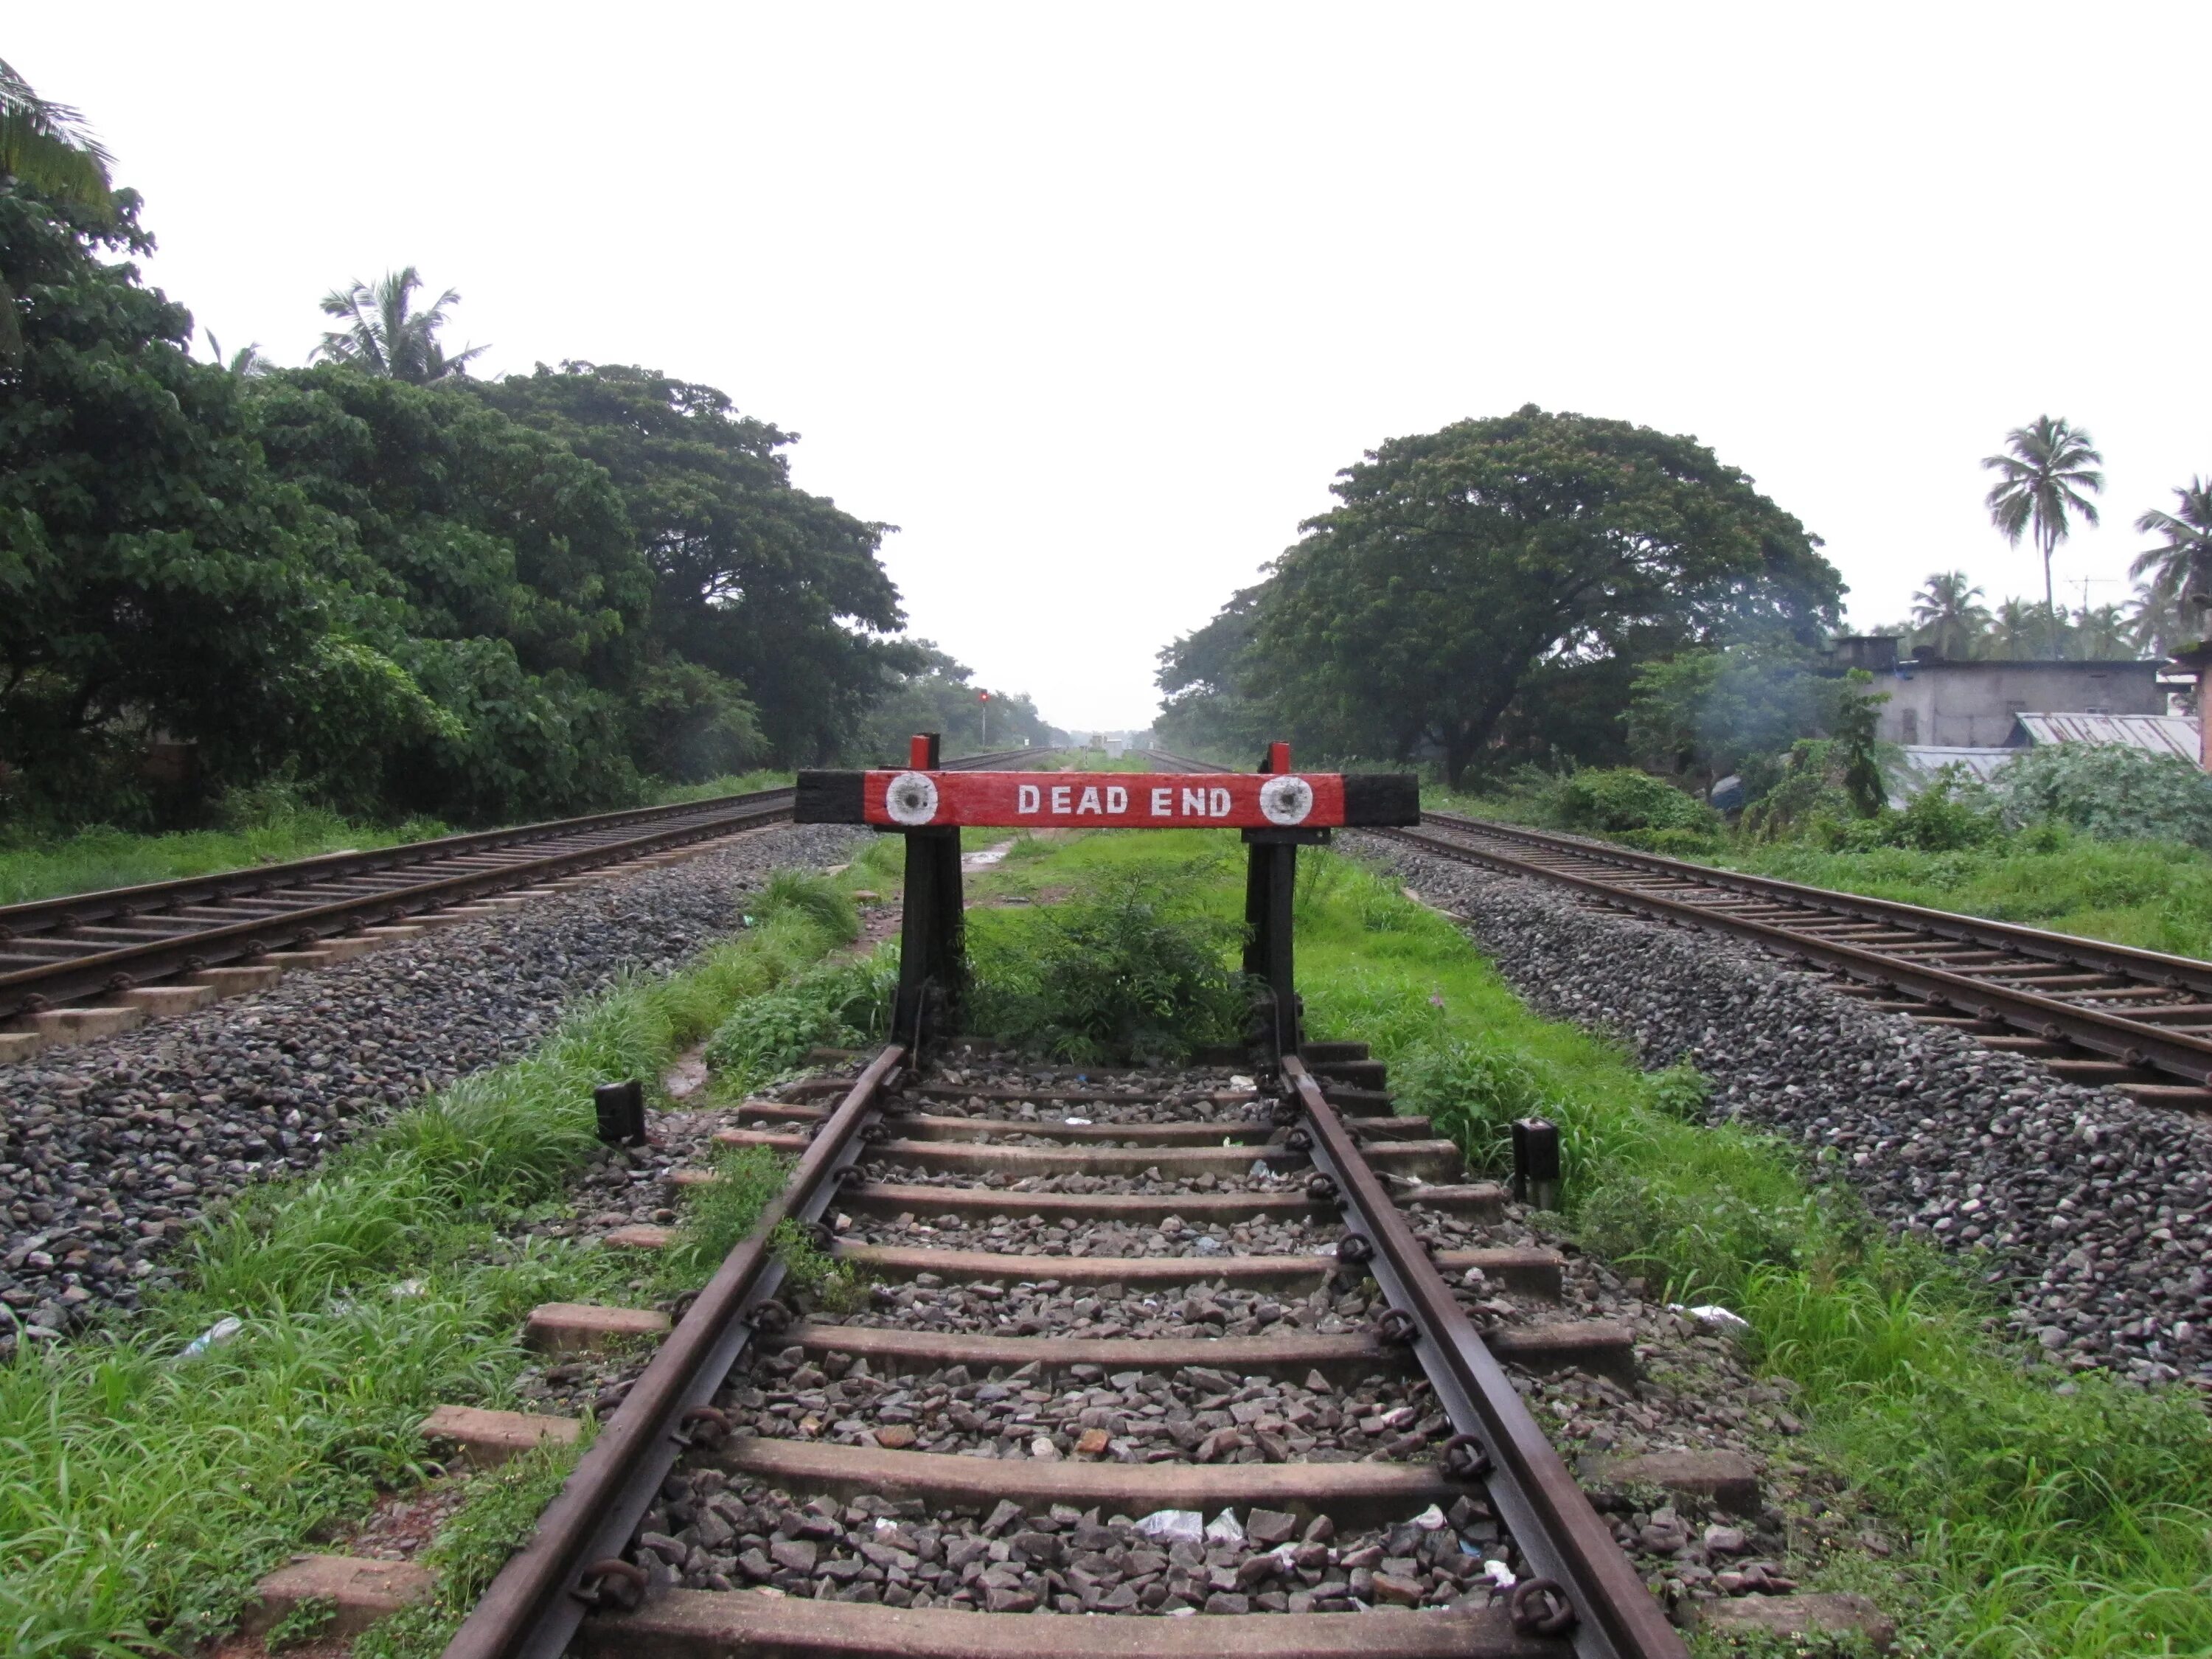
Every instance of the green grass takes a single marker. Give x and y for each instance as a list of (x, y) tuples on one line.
[(2038, 1522), (142, 1491), (100, 857), (2153, 895), (273, 830), (731, 783), (2147, 894)]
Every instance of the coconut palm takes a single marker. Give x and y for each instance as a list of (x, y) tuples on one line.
[(2021, 627), (386, 335), (46, 147), (2049, 469), (2180, 566), (2155, 624), (248, 362), (1948, 614), (2100, 633)]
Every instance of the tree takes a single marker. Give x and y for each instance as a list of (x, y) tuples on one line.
[(2026, 629), (2098, 634), (1459, 565), (2180, 566), (2049, 469), (1948, 614), (247, 363), (942, 697), (777, 591), (496, 567), (46, 148), (154, 577), (386, 335), (1201, 707), (2155, 625)]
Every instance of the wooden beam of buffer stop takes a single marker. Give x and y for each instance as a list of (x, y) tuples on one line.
[(922, 798)]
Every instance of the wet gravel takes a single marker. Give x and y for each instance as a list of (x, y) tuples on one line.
[(2090, 1212), (1695, 1392), (1198, 1414), (110, 1150), (713, 1533)]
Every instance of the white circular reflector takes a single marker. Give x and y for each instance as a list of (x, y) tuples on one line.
[(1286, 799), (911, 799)]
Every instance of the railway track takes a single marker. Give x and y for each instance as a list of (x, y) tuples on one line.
[(2135, 1020), (110, 945), (908, 1476)]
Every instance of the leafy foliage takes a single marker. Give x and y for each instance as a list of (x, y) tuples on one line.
[(2109, 791), (1462, 568), (1620, 798), (1134, 969), (400, 589)]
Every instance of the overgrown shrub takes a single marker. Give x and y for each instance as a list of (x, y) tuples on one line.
[(1471, 1090), (1135, 969), (835, 1005), (2112, 792), (1606, 800)]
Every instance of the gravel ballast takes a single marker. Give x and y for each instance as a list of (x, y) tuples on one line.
[(110, 1149), (2090, 1210)]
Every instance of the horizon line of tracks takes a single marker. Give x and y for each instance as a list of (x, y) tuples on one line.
[(80, 947), (890, 1522), (2110, 1015)]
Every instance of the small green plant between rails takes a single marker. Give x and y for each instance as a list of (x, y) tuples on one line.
[(144, 1490), (2040, 1522)]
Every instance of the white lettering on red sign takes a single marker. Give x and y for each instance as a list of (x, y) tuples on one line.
[(917, 799)]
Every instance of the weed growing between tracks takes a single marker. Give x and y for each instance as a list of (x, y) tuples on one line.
[(143, 1487)]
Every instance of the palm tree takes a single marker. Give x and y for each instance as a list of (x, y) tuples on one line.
[(2154, 622), (1948, 614), (248, 362), (2180, 566), (2048, 467), (2101, 634), (46, 147), (385, 336), (2021, 627)]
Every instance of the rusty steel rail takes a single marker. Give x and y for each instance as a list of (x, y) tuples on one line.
[(66, 949), (574, 1562), (2132, 1042), (1587, 1591)]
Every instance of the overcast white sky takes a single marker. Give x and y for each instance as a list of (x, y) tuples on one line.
[(1093, 300)]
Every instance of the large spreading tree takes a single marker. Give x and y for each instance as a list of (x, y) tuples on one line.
[(774, 590), (1465, 570)]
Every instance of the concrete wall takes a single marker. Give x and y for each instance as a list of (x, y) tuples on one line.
[(1972, 703)]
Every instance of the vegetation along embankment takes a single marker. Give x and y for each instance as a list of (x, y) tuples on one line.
[(2108, 842)]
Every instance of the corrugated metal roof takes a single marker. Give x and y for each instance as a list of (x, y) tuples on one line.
[(1925, 759), (2162, 734), (1918, 763)]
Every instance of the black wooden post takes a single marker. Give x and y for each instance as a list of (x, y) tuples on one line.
[(1271, 883), (933, 988)]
